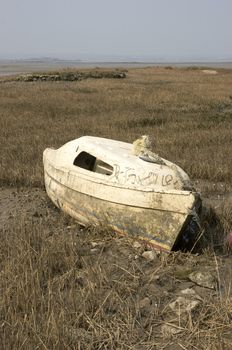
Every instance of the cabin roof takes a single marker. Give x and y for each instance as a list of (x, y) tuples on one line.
[(119, 155), (109, 149)]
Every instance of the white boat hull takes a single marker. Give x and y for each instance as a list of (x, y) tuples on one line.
[(101, 181), (158, 227)]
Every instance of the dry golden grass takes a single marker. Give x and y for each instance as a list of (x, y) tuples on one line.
[(56, 291), (187, 114)]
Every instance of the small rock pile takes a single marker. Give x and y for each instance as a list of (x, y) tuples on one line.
[(72, 76)]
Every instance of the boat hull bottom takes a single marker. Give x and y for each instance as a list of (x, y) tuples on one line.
[(158, 228)]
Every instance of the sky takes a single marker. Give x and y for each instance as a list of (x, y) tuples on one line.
[(120, 29)]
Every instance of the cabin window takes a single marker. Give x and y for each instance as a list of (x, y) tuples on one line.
[(87, 161), (103, 168)]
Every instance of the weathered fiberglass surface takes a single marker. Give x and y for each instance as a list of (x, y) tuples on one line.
[(138, 198)]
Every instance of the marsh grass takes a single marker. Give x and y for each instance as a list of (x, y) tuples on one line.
[(59, 293), (189, 119)]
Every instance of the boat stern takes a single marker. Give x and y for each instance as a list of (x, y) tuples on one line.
[(187, 237)]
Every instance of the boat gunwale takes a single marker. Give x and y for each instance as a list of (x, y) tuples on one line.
[(187, 212)]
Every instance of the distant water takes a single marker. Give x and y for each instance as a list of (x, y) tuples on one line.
[(11, 67)]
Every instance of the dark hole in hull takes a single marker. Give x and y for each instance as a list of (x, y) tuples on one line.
[(189, 232)]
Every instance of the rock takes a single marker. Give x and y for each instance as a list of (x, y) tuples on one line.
[(209, 71), (137, 245), (169, 330), (144, 303), (94, 250), (71, 76), (119, 75), (93, 244), (149, 255), (182, 304), (203, 279), (27, 77), (190, 293)]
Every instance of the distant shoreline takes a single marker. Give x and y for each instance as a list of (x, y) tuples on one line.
[(20, 66)]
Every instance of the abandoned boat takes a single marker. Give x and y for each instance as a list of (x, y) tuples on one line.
[(124, 186)]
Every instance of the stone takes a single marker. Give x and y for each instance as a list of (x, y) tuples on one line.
[(169, 330), (182, 304), (209, 71), (137, 245), (93, 244), (190, 293), (94, 250), (203, 279), (149, 255), (144, 303)]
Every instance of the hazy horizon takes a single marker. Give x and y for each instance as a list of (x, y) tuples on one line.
[(105, 58)]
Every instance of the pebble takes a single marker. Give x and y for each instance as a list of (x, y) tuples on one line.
[(203, 279), (93, 244), (145, 302), (94, 250), (149, 255), (182, 304), (168, 330), (190, 293), (137, 245)]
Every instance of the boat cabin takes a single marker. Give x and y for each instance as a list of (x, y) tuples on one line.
[(115, 162)]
